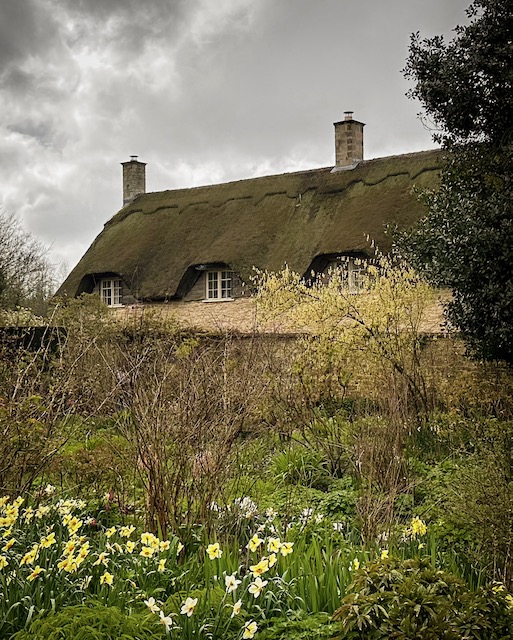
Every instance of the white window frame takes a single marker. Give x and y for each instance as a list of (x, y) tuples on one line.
[(111, 292), (219, 285), (353, 269)]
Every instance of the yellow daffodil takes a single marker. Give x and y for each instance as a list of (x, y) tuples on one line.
[(7, 533), (68, 564), (107, 578), (179, 547), (273, 545), (102, 559), (30, 556), (354, 565), (418, 527), (231, 583), (42, 510), (48, 541), (35, 573), (110, 532), (164, 545), (286, 548), (250, 628), (3, 562), (147, 552), (70, 546), (66, 519), (214, 551), (28, 514), (147, 539), (272, 560), (162, 565), (260, 568), (152, 605), (4, 500), (130, 546), (188, 607), (257, 586), (74, 525), (384, 554), (84, 550), (9, 544), (236, 608), (254, 543), (126, 532)]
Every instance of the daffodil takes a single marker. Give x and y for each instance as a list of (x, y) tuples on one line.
[(257, 586), (214, 551), (74, 525), (354, 565), (42, 510), (260, 568), (130, 546), (418, 527), (3, 562), (286, 548), (231, 583), (9, 544), (110, 532), (30, 556), (164, 545), (384, 554), (70, 546), (179, 548), (48, 540), (152, 605), (35, 573), (254, 543), (250, 628), (107, 578), (102, 559), (272, 560), (126, 532), (147, 552), (147, 538), (273, 545), (236, 608), (188, 607), (162, 565), (165, 620)]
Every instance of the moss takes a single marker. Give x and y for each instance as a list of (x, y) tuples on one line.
[(261, 222)]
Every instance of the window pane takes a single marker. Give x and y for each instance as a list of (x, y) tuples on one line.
[(212, 285), (226, 284), (107, 292), (116, 295)]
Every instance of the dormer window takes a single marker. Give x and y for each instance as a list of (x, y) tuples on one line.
[(353, 272), (219, 285), (111, 292)]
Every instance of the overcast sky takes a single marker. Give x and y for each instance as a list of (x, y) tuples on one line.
[(204, 91)]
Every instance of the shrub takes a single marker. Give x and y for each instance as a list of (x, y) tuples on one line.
[(411, 600), (92, 620)]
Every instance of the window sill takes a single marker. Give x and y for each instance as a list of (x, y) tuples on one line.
[(218, 300)]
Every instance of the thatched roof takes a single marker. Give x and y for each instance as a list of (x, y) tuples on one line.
[(261, 222)]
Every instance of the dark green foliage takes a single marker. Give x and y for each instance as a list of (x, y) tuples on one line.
[(466, 240), (299, 626), (93, 622), (410, 600)]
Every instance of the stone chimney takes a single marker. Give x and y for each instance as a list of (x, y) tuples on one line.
[(348, 142), (134, 179)]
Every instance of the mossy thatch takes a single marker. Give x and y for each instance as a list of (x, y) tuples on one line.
[(261, 222)]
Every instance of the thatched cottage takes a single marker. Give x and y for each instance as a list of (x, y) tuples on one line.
[(191, 251)]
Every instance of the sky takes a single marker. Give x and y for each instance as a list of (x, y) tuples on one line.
[(203, 91)]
